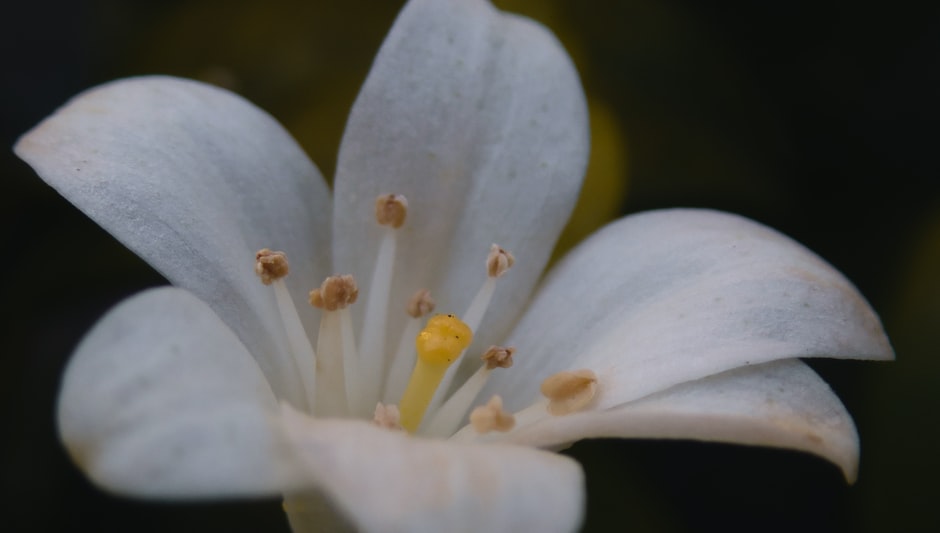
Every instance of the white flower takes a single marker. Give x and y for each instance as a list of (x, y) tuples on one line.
[(670, 324)]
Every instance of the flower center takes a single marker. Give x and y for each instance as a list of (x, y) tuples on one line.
[(341, 378)]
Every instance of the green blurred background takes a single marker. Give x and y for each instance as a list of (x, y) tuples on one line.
[(817, 118)]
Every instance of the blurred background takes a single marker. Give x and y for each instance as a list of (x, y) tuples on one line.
[(817, 118)]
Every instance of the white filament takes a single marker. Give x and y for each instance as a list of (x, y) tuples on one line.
[(402, 363), (481, 301), (352, 367), (449, 417), (372, 340), (331, 380), (299, 344)]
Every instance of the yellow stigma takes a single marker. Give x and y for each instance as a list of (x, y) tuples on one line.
[(442, 340), (439, 344)]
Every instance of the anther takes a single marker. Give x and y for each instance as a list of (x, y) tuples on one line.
[(387, 416), (498, 262), (420, 303), (569, 391), (491, 417), (270, 265), (498, 356), (336, 292), (391, 210)]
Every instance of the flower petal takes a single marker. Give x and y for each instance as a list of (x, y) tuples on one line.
[(195, 180), (389, 481), (162, 400), (781, 404), (664, 297), (479, 119)]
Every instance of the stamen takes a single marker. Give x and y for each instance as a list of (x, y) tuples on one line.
[(338, 365), (271, 267), (450, 415), (390, 211), (438, 345), (491, 417), (336, 292), (418, 306), (420, 303), (569, 391), (387, 416), (498, 262), (524, 418), (498, 357)]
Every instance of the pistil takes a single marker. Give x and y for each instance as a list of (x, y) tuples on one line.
[(438, 345)]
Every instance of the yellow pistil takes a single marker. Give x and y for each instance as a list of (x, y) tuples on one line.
[(438, 345)]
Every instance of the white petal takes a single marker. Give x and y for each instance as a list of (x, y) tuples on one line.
[(389, 481), (479, 119), (781, 404), (195, 180), (664, 297), (162, 400)]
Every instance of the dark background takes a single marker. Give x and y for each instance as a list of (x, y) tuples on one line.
[(817, 118)]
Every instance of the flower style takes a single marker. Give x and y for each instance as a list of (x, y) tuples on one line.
[(471, 129)]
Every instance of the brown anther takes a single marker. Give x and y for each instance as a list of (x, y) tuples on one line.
[(391, 210), (420, 303), (270, 265), (387, 416), (569, 391), (498, 261), (491, 417), (336, 292), (498, 356)]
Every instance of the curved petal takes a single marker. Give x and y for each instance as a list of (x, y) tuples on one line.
[(479, 119), (162, 400), (389, 481), (664, 297), (195, 180), (782, 404)]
